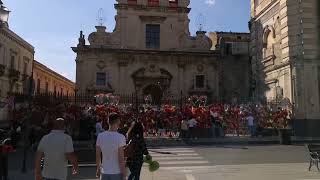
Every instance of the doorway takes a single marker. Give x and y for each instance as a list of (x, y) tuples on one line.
[(156, 93)]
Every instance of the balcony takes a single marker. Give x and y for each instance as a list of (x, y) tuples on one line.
[(2, 69), (14, 75)]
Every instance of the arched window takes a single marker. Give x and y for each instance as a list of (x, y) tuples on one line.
[(268, 36), (153, 3)]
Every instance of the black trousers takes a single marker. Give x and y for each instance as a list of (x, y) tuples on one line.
[(3, 167), (135, 169)]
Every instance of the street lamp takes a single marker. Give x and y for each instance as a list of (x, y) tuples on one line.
[(4, 15)]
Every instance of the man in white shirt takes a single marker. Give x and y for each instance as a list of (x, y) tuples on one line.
[(192, 123), (184, 128), (251, 126), (56, 148), (111, 144)]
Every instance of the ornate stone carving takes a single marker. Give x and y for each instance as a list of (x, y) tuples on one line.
[(156, 19), (123, 63), (123, 56), (181, 64), (200, 68), (101, 64)]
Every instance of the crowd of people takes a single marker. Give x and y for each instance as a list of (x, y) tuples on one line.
[(217, 119), (108, 123)]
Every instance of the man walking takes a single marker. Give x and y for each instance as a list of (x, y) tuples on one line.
[(111, 144), (192, 123), (99, 129), (251, 126), (56, 148)]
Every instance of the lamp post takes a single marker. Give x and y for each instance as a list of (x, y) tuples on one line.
[(4, 15)]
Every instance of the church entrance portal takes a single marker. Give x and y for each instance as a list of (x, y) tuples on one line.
[(155, 92)]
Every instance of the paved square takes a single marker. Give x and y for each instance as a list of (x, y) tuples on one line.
[(219, 162)]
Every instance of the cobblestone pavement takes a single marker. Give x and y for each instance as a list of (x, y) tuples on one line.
[(218, 162)]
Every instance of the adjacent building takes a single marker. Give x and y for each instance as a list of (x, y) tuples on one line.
[(235, 72), (48, 81), (16, 59), (285, 57), (150, 52)]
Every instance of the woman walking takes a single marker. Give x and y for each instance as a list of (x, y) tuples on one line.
[(138, 148)]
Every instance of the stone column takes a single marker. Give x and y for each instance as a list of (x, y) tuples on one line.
[(123, 30), (181, 66), (122, 86), (215, 68)]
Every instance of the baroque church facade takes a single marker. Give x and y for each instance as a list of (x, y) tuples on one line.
[(285, 46), (151, 52)]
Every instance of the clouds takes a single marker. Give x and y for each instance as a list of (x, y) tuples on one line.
[(210, 2)]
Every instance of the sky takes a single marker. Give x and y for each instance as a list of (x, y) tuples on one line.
[(53, 26)]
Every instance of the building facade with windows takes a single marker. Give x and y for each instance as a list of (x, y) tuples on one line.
[(16, 59), (48, 81), (150, 52), (285, 57), (235, 74)]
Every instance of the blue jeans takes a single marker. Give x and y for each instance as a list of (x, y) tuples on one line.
[(252, 130), (111, 177)]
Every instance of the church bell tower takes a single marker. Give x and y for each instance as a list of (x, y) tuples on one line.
[(152, 24)]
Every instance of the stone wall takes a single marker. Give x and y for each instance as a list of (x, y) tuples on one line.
[(124, 70), (236, 78), (294, 68)]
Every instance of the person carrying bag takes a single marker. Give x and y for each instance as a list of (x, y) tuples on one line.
[(135, 150)]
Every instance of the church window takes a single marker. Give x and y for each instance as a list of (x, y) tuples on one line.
[(101, 79), (173, 3), (132, 2), (25, 68), (153, 36), (153, 2), (200, 81)]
